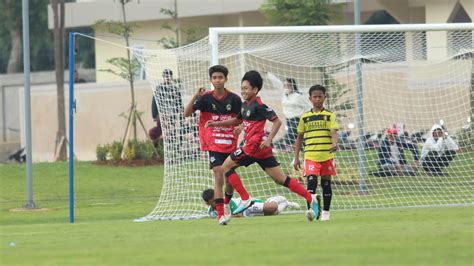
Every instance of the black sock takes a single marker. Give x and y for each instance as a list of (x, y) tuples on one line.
[(327, 193), (227, 197), (312, 185)]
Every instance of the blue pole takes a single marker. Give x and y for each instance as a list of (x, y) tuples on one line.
[(72, 109)]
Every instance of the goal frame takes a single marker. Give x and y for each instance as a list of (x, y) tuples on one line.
[(214, 33)]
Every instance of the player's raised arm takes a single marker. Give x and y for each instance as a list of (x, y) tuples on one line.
[(189, 109)]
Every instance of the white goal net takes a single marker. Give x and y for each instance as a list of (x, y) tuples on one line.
[(404, 80)]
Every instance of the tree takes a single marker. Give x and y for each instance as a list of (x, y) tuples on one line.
[(59, 36), (11, 39), (300, 13), (312, 12), (10, 15), (191, 33), (125, 67)]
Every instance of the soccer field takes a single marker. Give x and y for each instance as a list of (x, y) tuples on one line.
[(108, 199)]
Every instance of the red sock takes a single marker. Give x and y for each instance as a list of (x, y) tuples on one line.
[(297, 188), (219, 207), (235, 181)]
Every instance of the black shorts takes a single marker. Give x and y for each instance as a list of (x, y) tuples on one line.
[(217, 158), (243, 159)]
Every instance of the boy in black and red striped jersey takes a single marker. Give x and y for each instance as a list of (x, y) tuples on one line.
[(218, 105), (257, 145)]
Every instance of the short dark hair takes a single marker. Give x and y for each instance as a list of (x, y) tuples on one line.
[(220, 69), (317, 87), (292, 83), (167, 72), (254, 78), (208, 194)]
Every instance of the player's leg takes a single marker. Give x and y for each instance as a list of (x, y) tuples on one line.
[(228, 194), (311, 171), (236, 159), (215, 163), (328, 169), (292, 184), (312, 184)]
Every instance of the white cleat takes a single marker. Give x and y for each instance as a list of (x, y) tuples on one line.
[(325, 216), (227, 212), (223, 221)]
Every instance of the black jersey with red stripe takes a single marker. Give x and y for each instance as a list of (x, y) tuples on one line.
[(254, 115), (218, 139)]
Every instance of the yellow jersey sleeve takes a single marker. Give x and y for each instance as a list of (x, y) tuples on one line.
[(301, 127), (333, 123)]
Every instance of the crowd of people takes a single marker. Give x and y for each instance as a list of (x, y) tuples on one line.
[(310, 128)]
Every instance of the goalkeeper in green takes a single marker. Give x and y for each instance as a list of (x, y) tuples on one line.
[(272, 206)]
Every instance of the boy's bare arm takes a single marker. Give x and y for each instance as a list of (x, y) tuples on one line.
[(188, 110), (334, 139), (275, 127), (229, 122), (296, 159)]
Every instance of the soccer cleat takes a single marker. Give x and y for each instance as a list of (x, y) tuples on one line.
[(316, 206), (243, 205), (325, 216), (223, 220), (227, 212)]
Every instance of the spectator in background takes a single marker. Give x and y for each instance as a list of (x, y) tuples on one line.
[(294, 104), (438, 151), (170, 105), (77, 78), (155, 132), (392, 161)]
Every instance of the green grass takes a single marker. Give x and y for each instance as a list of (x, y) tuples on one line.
[(109, 198)]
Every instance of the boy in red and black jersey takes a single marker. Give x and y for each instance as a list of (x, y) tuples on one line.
[(218, 105), (257, 145)]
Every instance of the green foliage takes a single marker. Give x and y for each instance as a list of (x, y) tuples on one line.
[(300, 13), (115, 151), (115, 27), (121, 67), (129, 152), (41, 38), (160, 148), (101, 152), (191, 33), (134, 150), (335, 91)]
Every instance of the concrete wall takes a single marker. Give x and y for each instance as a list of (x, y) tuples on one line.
[(9, 98), (97, 120)]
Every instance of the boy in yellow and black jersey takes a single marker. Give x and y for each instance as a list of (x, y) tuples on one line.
[(318, 128)]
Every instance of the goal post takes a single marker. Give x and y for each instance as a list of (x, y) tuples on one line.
[(406, 77), (216, 31)]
